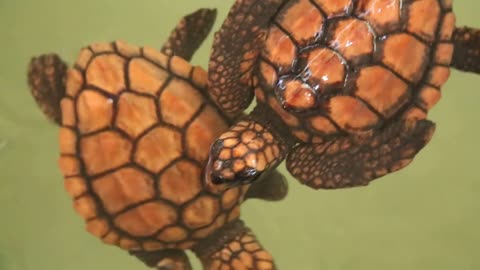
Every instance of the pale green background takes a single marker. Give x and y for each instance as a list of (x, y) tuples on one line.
[(424, 217)]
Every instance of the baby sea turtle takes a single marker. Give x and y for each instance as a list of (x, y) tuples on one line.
[(343, 87), (136, 125)]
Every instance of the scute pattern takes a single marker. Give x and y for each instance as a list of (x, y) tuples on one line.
[(302, 20), (352, 38), (133, 168), (383, 16), (356, 65)]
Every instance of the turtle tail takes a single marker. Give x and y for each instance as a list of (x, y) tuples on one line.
[(47, 78)]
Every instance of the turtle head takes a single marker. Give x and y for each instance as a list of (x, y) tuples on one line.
[(231, 164), (244, 153)]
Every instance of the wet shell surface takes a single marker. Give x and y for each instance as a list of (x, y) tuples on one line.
[(341, 67), (135, 136)]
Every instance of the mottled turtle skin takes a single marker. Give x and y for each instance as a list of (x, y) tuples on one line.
[(343, 87), (136, 125)]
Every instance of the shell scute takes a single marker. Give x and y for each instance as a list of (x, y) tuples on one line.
[(429, 96), (68, 141), (173, 234), (382, 89), (180, 67), (104, 151), (146, 219), (324, 67), (155, 56), (95, 111), (74, 82), (157, 148), (352, 38), (75, 186), (280, 49), (444, 53), (411, 65), (84, 58), (180, 182), (418, 23), (69, 166), (201, 212), (106, 72), (135, 113), (334, 8), (178, 103), (68, 112), (102, 47), (302, 20), (201, 133), (351, 114), (122, 188), (85, 206), (382, 15), (98, 227), (438, 75), (448, 25), (126, 49), (146, 77)]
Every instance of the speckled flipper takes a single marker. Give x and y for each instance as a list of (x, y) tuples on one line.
[(273, 187), (234, 247), (189, 33), (235, 50), (170, 259), (466, 53), (355, 161), (46, 78)]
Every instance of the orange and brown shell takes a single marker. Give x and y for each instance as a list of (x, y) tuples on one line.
[(332, 67), (135, 136)]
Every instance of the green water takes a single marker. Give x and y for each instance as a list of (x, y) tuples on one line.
[(424, 217)]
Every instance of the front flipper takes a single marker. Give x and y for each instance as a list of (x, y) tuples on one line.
[(46, 78), (189, 34), (466, 52), (169, 259), (357, 160), (235, 50), (233, 247), (273, 187)]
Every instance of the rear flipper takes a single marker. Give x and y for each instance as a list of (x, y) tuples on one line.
[(170, 259), (233, 247), (466, 52), (46, 77), (356, 160), (189, 33)]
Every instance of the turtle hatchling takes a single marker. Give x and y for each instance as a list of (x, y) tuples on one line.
[(136, 124), (343, 87)]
